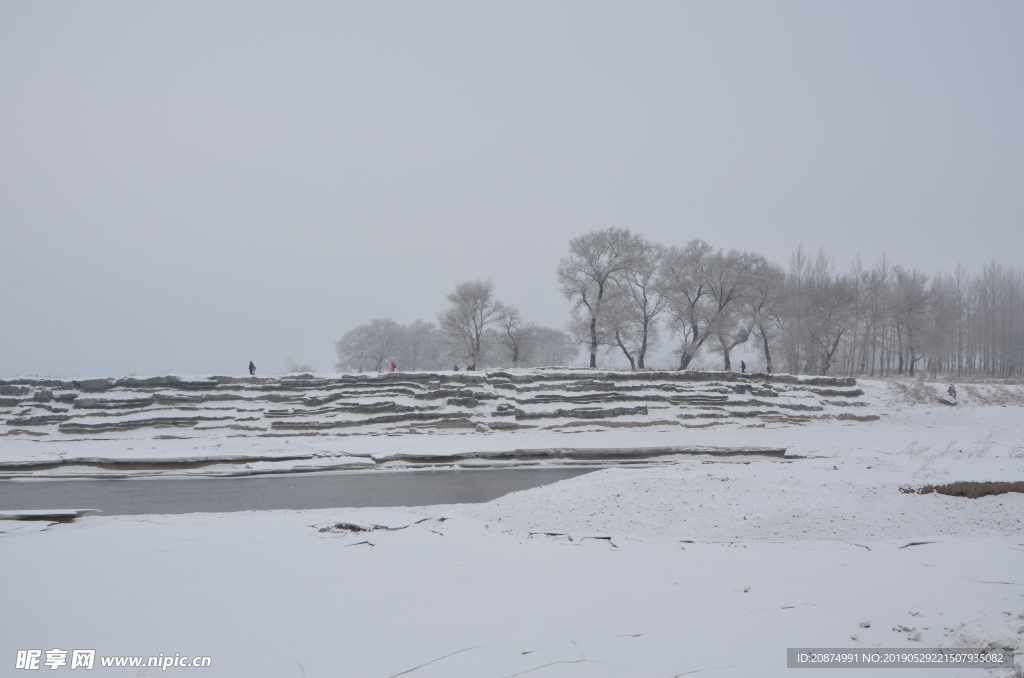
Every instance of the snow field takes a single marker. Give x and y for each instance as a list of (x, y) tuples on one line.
[(695, 565), (272, 595)]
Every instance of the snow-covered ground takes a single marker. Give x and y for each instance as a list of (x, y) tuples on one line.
[(485, 415), (693, 565), (238, 426), (272, 595)]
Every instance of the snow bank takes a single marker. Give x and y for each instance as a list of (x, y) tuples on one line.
[(273, 595)]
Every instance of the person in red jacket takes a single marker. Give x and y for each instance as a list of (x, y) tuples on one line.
[(393, 366)]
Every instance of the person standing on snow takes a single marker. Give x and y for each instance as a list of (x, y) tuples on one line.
[(393, 367), (743, 367), (252, 368)]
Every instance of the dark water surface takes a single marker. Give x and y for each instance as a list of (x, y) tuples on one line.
[(136, 496)]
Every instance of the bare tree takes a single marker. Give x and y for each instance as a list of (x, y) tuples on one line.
[(637, 302), (828, 314), (961, 292), (913, 299), (767, 281), (617, 328), (596, 260), (368, 346), (463, 324), (683, 279), (704, 289), (729, 280), (532, 345), (794, 307), (878, 303), (513, 335), (731, 330)]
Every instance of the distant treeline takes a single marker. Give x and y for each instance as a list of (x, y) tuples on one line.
[(807, 318), (476, 331), (630, 294)]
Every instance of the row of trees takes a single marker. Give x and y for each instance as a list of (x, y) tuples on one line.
[(475, 330), (628, 292), (888, 319)]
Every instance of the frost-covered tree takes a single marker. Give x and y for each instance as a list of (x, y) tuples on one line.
[(617, 328), (473, 308), (683, 280), (820, 307), (531, 345), (733, 329), (878, 320), (588, 275), (746, 289), (417, 347), (586, 334), (704, 290), (367, 347), (551, 347), (513, 336), (762, 303), (730, 276), (912, 305), (636, 302)]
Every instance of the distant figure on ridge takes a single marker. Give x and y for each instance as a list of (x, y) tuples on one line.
[(456, 368), (743, 367), (252, 368), (393, 367)]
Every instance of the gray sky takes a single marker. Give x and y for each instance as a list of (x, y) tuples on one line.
[(185, 187)]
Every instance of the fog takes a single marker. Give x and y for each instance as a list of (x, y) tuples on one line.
[(185, 187)]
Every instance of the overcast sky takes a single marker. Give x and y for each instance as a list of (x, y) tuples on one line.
[(185, 187)]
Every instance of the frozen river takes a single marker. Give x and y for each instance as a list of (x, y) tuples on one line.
[(137, 496)]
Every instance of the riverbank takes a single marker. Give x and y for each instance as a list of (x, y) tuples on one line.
[(686, 564), (534, 583)]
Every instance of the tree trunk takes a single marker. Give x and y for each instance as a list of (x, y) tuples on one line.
[(764, 340), (827, 362), (685, 356), (643, 348), (629, 357), (593, 341)]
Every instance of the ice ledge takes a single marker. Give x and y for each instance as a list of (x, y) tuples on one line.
[(58, 515)]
